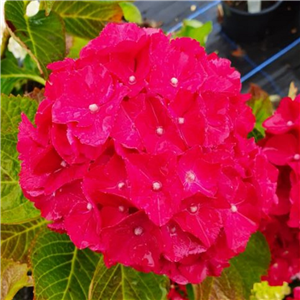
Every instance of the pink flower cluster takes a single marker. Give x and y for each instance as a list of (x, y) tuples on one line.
[(140, 152), (282, 147)]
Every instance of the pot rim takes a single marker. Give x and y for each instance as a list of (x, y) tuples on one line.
[(241, 12)]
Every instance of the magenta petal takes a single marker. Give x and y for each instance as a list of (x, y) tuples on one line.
[(200, 218), (238, 230), (194, 273), (177, 244), (280, 149), (155, 186), (158, 131), (110, 178), (189, 117), (83, 227), (125, 131), (285, 118), (135, 239), (196, 174)]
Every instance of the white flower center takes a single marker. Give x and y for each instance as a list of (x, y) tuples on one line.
[(174, 81), (121, 208), (63, 164), (193, 208), (156, 186), (138, 230), (180, 120), (89, 206), (121, 185), (233, 208), (159, 130), (132, 79), (297, 156), (93, 108), (173, 229), (289, 123), (190, 176)]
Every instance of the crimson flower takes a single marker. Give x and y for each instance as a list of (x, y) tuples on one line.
[(281, 146), (140, 151)]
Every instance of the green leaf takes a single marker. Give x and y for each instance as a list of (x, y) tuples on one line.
[(131, 12), (29, 64), (15, 207), (11, 73), (77, 45), (226, 287), (11, 109), (262, 109), (42, 36), (190, 291), (263, 290), (61, 271), (256, 134), (87, 18), (16, 239), (195, 30), (125, 283), (47, 6), (236, 282), (13, 278), (253, 262)]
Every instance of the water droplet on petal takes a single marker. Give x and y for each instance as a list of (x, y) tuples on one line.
[(173, 230), (156, 186), (275, 265), (63, 164), (193, 208), (181, 121), (93, 108), (190, 176), (132, 79), (89, 206), (138, 230), (159, 130), (174, 81), (149, 259), (289, 123), (233, 208), (297, 156)]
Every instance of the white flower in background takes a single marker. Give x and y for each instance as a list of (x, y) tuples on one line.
[(32, 8), (16, 49), (13, 46), (2, 22)]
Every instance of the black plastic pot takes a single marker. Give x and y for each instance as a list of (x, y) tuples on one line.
[(242, 26)]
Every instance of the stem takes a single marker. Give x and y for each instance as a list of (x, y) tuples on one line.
[(5, 38), (196, 291), (37, 79)]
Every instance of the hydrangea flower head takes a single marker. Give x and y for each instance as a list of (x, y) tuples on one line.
[(140, 152), (282, 147)]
